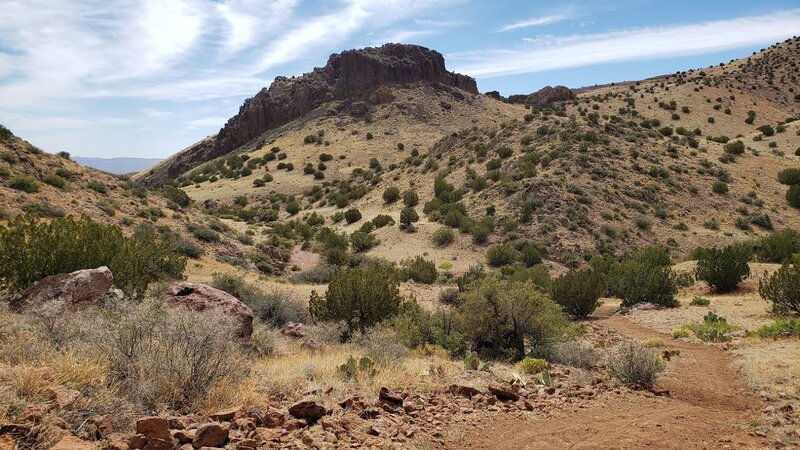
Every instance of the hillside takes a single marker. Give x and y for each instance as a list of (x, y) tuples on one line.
[(606, 172)]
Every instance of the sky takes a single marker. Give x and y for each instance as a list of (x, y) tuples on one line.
[(146, 78)]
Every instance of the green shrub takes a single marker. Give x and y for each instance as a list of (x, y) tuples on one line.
[(578, 291), (714, 328), (767, 130), (361, 241), (724, 269), (292, 207), (97, 186), (719, 187), (419, 270), (443, 237), (55, 181), (779, 246), (789, 176), (177, 196), (700, 301), (636, 282), (274, 308), (501, 255), (31, 250), (734, 147), (782, 288), (505, 318), (575, 354), (408, 216), (391, 194), (780, 328), (410, 198), (634, 364), (449, 296), (382, 220), (25, 183), (352, 215), (530, 255), (202, 232), (360, 297), (532, 366), (793, 196)]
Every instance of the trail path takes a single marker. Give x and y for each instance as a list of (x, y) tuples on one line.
[(708, 407)]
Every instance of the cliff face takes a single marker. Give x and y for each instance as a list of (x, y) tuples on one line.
[(347, 74), (544, 96)]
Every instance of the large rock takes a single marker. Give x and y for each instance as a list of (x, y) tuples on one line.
[(210, 434), (66, 290), (199, 297), (153, 427), (545, 95), (353, 73), (308, 409)]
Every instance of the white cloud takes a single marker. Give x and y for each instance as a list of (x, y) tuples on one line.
[(534, 22), (205, 122), (637, 44)]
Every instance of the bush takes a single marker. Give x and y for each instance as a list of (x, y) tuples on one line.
[(98, 187), (719, 187), (724, 269), (578, 291), (501, 255), (767, 130), (449, 296), (576, 354), (408, 216), (274, 308), (780, 328), (361, 241), (419, 270), (700, 301), (734, 147), (360, 297), (410, 198), (789, 176), (532, 366), (530, 255), (443, 237), (779, 246), (31, 250), (501, 316), (793, 196), (634, 364), (202, 232), (25, 183), (782, 288), (352, 215), (714, 328), (636, 281), (391, 194), (292, 207), (55, 181), (382, 220), (177, 196)]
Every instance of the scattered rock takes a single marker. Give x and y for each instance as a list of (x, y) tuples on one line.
[(308, 409), (153, 428), (311, 345), (359, 109), (210, 434), (65, 291), (503, 393), (464, 391), (224, 416), (73, 443), (199, 297), (392, 398), (294, 329)]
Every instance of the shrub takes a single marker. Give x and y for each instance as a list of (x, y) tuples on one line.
[(443, 237), (780, 328), (700, 301), (530, 255), (634, 364), (391, 194), (97, 186), (410, 198), (274, 308), (782, 288), (724, 269), (55, 181), (789, 176), (31, 250), (408, 216), (361, 297), (25, 183), (767, 130), (449, 296), (177, 196), (793, 196), (382, 220), (575, 354), (202, 232), (361, 241), (578, 291), (734, 147), (352, 215), (635, 282), (500, 317), (292, 207), (501, 255), (532, 366), (779, 246), (714, 328), (419, 270), (719, 187)]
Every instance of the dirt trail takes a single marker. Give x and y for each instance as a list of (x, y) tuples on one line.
[(708, 407)]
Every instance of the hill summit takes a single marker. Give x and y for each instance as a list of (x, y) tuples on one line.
[(346, 75)]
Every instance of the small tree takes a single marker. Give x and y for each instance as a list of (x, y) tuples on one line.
[(391, 194), (361, 297), (793, 196), (443, 237), (782, 288), (408, 216), (419, 269), (352, 215), (724, 269), (410, 198), (779, 246), (578, 291), (501, 255)]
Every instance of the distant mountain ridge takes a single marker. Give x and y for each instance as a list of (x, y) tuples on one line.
[(118, 166)]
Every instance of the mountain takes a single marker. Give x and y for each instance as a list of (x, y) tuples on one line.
[(119, 166)]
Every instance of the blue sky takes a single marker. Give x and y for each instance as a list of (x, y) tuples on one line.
[(146, 78)]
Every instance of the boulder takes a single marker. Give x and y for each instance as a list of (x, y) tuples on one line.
[(494, 94), (544, 96), (199, 297), (294, 329), (308, 409), (73, 443), (311, 345), (153, 427), (65, 291), (503, 393), (464, 391), (359, 109), (210, 434), (387, 396)]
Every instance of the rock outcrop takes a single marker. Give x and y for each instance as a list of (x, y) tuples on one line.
[(544, 96), (199, 297), (65, 290), (350, 74)]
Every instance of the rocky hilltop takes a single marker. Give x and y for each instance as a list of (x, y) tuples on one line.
[(545, 95), (346, 75)]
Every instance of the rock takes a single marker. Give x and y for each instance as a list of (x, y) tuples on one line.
[(159, 444), (210, 434), (644, 306), (545, 95), (153, 428), (392, 398), (311, 345), (346, 75), (73, 443), (381, 95), (294, 329), (308, 409), (493, 94), (65, 291), (104, 426), (183, 436), (137, 441), (464, 391), (359, 108), (503, 393), (62, 397), (224, 416), (199, 297)]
